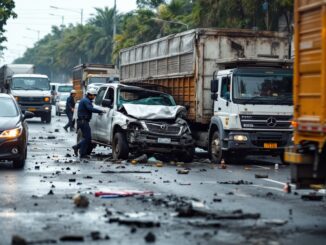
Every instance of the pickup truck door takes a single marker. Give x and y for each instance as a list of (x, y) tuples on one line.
[(98, 105), (104, 122)]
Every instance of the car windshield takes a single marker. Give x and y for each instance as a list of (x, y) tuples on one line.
[(263, 89), (63, 97), (102, 80), (65, 88), (8, 108), (144, 97), (30, 83)]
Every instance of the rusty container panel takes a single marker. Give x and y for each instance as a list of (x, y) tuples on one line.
[(310, 63)]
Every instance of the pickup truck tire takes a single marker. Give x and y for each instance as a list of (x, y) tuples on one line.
[(120, 148), (215, 148)]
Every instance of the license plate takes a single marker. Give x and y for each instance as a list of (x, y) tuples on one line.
[(31, 109), (270, 145), (164, 140)]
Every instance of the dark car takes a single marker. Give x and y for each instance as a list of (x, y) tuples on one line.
[(13, 131)]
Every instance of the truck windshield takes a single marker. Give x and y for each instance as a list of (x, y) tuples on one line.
[(263, 89), (103, 80), (144, 97), (65, 88), (30, 83)]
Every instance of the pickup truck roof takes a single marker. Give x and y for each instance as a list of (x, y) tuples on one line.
[(118, 85)]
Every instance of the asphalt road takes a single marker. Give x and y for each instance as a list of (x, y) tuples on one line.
[(205, 205)]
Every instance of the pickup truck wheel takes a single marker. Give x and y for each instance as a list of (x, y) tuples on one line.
[(215, 148), (120, 148)]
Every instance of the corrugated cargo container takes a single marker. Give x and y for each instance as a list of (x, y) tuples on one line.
[(183, 64), (309, 94)]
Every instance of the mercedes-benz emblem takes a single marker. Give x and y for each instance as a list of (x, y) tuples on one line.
[(271, 122)]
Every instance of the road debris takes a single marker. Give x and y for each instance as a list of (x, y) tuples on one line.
[(115, 194), (239, 182), (141, 159), (81, 201), (150, 237), (182, 171), (277, 222), (72, 238), (261, 176), (135, 222), (312, 197), (126, 172), (222, 164), (17, 240)]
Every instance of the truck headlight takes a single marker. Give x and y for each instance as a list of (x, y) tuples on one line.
[(12, 133), (47, 99), (240, 137)]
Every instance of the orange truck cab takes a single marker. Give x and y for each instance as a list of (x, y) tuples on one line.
[(308, 155)]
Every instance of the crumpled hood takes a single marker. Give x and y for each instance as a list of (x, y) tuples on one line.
[(150, 112), (8, 122), (29, 93)]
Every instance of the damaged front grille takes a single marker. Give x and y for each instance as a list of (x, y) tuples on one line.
[(163, 128)]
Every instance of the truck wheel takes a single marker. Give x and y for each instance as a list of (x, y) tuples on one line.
[(215, 148), (120, 148), (187, 156)]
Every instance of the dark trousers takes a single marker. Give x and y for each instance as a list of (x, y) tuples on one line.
[(71, 122), (85, 143)]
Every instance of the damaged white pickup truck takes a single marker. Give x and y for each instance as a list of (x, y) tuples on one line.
[(140, 121)]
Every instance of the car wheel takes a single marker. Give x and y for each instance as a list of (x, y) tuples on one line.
[(215, 148), (120, 148)]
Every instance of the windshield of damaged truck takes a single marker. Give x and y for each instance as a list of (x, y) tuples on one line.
[(30, 83), (263, 88), (144, 97)]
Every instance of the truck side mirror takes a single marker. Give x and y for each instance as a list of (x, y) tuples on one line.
[(214, 86), (107, 103), (214, 96)]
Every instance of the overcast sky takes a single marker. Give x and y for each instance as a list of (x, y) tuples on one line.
[(38, 16)]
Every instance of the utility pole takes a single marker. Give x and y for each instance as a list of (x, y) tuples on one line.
[(114, 21)]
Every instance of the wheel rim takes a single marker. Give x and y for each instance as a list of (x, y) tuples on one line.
[(216, 147)]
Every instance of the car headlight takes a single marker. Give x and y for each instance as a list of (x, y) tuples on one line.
[(239, 137), (12, 133)]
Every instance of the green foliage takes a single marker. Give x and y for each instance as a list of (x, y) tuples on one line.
[(6, 11), (65, 47)]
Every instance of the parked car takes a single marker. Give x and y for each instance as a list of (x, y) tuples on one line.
[(60, 104), (13, 131), (139, 120)]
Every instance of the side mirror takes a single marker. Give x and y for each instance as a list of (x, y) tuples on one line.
[(107, 103), (214, 86), (28, 114)]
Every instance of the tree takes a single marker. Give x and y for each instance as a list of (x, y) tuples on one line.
[(6, 11), (149, 3)]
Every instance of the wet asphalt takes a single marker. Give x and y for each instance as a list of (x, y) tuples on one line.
[(205, 205)]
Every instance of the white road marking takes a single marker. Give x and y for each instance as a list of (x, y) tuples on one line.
[(278, 182), (268, 187)]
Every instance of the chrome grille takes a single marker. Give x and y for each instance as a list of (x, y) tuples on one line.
[(163, 128), (266, 121)]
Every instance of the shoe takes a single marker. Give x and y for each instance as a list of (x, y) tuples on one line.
[(75, 150), (85, 157), (65, 129)]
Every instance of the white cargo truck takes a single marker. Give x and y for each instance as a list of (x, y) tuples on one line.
[(32, 91), (236, 84)]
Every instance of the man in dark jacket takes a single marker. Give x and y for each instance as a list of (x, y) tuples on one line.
[(70, 107), (84, 114)]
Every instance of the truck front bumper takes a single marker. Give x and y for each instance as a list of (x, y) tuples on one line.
[(37, 109), (257, 143), (147, 142)]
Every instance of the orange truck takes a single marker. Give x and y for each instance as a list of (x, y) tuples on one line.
[(308, 155)]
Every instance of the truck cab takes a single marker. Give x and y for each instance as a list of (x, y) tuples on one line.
[(252, 112), (33, 93)]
